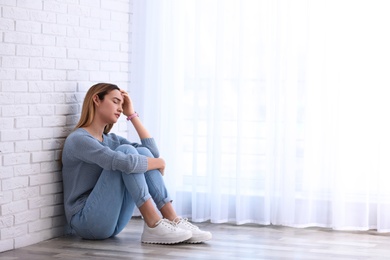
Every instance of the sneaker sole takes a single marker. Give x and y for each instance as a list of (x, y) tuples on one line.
[(165, 242), (198, 240), (162, 243)]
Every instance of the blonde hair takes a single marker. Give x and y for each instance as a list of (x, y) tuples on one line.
[(88, 110)]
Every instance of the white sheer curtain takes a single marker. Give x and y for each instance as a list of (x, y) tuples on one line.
[(269, 112)]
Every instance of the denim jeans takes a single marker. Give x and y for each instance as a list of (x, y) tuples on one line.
[(111, 203)]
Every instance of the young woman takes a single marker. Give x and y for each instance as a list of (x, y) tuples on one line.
[(105, 176)]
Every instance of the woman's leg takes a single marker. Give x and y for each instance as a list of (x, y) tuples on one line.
[(160, 196), (156, 230), (110, 205), (105, 209), (158, 190)]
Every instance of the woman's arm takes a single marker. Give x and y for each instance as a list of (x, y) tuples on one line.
[(129, 110), (81, 146), (139, 127), (153, 163)]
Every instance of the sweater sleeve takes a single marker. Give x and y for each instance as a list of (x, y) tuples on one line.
[(150, 143), (88, 149)]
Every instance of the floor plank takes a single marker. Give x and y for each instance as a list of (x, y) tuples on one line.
[(229, 242)]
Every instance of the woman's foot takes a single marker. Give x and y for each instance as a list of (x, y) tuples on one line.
[(198, 236), (164, 232)]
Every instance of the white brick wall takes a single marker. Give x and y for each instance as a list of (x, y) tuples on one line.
[(51, 52)]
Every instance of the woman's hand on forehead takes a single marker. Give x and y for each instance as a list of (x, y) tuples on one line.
[(127, 104)]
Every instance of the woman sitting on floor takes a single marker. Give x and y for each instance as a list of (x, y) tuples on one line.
[(105, 176)]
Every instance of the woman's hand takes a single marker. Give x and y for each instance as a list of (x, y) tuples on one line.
[(162, 170), (161, 167), (127, 104), (156, 164)]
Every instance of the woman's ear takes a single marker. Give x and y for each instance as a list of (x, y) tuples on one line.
[(96, 100)]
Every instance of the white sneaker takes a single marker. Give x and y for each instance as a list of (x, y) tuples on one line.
[(164, 233), (198, 236)]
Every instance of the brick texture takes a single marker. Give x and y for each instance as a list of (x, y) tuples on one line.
[(51, 52)]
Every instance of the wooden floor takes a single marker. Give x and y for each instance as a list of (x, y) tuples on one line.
[(229, 242)]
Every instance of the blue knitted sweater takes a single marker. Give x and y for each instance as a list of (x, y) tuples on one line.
[(84, 158)]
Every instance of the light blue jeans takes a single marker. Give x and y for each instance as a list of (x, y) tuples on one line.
[(111, 203)]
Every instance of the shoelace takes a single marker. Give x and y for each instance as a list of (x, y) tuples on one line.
[(184, 221), (167, 223)]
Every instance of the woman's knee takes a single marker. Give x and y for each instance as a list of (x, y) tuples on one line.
[(144, 151), (127, 149)]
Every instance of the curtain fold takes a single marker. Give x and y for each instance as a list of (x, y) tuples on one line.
[(268, 112)]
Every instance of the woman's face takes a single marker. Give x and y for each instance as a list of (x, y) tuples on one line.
[(110, 108)]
